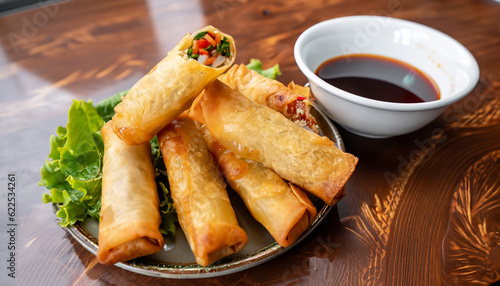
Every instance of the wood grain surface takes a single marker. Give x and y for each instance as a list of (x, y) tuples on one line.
[(420, 209)]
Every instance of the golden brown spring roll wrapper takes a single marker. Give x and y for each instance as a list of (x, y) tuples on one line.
[(257, 132), (198, 191), (289, 101), (282, 208), (130, 215), (165, 92)]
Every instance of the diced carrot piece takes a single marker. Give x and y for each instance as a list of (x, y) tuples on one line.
[(203, 43), (217, 37), (210, 39), (195, 47)]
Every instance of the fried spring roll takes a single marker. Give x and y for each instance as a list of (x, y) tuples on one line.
[(290, 101), (130, 215), (170, 87), (282, 208), (257, 132), (198, 191)]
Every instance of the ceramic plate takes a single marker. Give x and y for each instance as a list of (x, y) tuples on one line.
[(176, 259)]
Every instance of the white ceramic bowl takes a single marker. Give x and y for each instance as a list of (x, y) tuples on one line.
[(446, 61)]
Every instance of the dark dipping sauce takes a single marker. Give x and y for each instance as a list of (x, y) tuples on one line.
[(379, 78)]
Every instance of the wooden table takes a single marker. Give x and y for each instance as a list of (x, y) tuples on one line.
[(420, 209)]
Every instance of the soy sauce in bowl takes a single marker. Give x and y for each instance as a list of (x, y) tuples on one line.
[(379, 78)]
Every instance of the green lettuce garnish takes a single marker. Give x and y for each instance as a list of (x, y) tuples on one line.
[(272, 72), (167, 210), (73, 171), (106, 108)]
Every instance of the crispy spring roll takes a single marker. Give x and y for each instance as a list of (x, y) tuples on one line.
[(282, 208), (291, 101), (198, 191), (171, 86), (130, 215), (257, 132)]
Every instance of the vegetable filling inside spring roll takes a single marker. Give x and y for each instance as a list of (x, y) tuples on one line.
[(171, 86), (291, 101)]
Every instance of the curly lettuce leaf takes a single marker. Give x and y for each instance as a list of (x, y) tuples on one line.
[(167, 210), (106, 108), (81, 155), (73, 171), (272, 72), (52, 177), (56, 142)]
